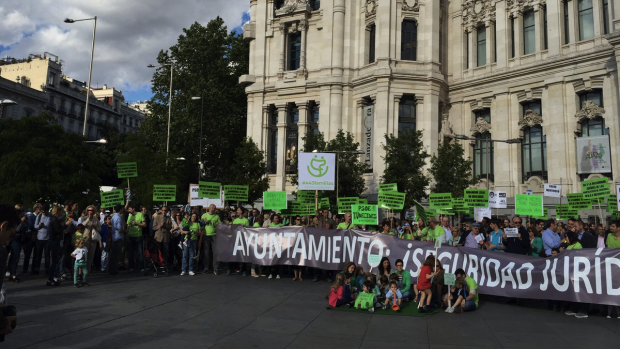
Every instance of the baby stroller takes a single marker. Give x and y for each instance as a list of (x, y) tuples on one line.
[(152, 254)]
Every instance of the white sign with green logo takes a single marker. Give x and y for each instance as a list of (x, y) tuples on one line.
[(317, 171)]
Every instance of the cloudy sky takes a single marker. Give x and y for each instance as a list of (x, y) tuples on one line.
[(130, 33)]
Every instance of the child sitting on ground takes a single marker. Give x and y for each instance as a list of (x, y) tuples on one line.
[(366, 299), (336, 294), (424, 283), (80, 262), (393, 296), (394, 277), (460, 292)]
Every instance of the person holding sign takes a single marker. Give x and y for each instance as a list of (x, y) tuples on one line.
[(517, 244), (424, 282), (433, 231), (473, 239), (210, 220), (347, 222), (495, 240)]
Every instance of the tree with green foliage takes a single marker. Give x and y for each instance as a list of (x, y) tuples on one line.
[(405, 158), (249, 168), (208, 61), (350, 168), (40, 162), (451, 171)]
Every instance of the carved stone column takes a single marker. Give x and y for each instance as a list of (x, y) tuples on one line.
[(283, 34), (303, 27), (280, 175)]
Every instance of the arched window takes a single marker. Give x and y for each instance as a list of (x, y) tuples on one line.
[(409, 41), (534, 151), (294, 52), (406, 114), (481, 40), (592, 127), (483, 156), (279, 4)]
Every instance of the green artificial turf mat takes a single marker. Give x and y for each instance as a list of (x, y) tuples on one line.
[(407, 309)]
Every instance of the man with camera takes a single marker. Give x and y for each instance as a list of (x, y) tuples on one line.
[(9, 220)]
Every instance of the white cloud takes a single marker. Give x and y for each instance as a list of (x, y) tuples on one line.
[(130, 33)]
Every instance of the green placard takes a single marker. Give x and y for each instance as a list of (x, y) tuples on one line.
[(545, 215), (344, 204), (458, 205), (440, 200), (112, 198), (477, 198), (305, 196), (209, 190), (274, 200), (428, 214), (365, 300), (578, 202), (445, 212), (127, 169), (388, 187), (365, 214), (612, 204), (449, 279), (324, 204), (529, 205), (236, 192), (595, 188), (391, 200), (299, 208), (564, 212), (615, 216), (164, 192), (362, 201)]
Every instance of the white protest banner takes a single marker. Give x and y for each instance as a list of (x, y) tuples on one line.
[(553, 191), (481, 212), (497, 199), (317, 171), (195, 200), (511, 232)]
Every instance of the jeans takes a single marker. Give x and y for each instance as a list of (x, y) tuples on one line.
[(470, 306), (104, 257), (189, 250), (27, 247), (406, 294), (54, 248), (16, 249), (210, 252), (115, 253), (84, 272), (134, 243), (40, 246)]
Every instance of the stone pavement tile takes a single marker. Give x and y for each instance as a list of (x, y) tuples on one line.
[(198, 332), (90, 338), (155, 342), (481, 336), (334, 323), (396, 329), (277, 325), (298, 312), (313, 341), (138, 325), (218, 319), (612, 324), (519, 338), (388, 343), (246, 338)]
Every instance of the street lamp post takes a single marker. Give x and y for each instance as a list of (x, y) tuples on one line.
[(90, 70), (169, 104), (486, 148), (202, 111)]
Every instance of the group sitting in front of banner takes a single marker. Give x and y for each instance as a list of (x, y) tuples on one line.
[(390, 288), (184, 239)]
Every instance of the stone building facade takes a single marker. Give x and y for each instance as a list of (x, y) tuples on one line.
[(541, 71)]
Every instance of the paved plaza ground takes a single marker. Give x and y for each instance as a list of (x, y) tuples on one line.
[(208, 311)]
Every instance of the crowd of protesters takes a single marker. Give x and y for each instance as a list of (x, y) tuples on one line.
[(71, 244)]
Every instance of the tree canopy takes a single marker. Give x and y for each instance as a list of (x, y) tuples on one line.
[(451, 172), (405, 159)]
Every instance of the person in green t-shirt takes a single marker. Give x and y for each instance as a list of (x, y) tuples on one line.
[(191, 231), (471, 302), (275, 222), (210, 221), (347, 222), (613, 238), (433, 231), (135, 223), (241, 220)]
